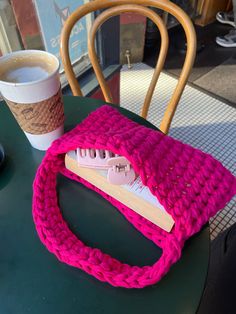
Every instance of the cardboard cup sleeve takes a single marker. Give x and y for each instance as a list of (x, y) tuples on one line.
[(40, 117)]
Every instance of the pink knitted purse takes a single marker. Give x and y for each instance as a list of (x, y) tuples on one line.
[(190, 184)]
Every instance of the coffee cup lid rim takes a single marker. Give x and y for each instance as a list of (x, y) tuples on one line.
[(18, 52)]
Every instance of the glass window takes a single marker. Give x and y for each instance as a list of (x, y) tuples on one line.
[(9, 36)]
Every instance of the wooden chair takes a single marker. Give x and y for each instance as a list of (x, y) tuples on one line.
[(116, 7)]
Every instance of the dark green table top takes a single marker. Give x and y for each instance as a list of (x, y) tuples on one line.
[(32, 280)]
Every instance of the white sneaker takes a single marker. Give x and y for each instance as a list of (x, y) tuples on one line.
[(226, 18), (228, 40)]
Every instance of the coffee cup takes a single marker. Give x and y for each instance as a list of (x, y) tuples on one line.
[(30, 85)]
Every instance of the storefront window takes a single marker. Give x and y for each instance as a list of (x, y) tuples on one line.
[(9, 35)]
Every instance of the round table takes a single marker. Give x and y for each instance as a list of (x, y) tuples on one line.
[(34, 281)]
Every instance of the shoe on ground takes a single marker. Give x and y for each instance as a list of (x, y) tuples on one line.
[(226, 18), (228, 40)]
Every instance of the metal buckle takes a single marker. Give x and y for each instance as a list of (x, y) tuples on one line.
[(120, 171)]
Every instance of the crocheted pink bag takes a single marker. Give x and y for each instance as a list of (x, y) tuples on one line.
[(190, 184)]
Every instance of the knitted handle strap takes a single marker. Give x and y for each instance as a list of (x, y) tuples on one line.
[(58, 238), (191, 185)]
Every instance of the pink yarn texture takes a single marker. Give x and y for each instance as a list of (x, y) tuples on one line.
[(190, 184)]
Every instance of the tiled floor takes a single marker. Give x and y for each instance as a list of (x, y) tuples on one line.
[(201, 121), (211, 61)]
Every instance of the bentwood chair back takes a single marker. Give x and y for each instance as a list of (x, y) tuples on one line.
[(117, 7)]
